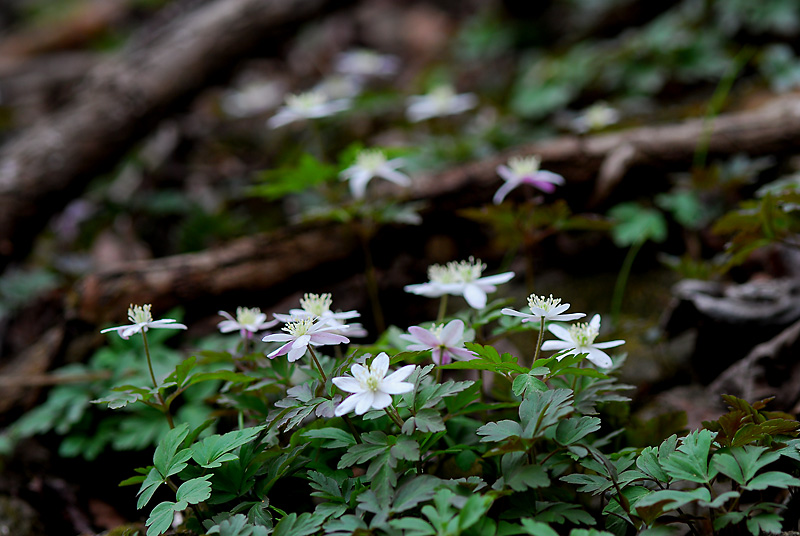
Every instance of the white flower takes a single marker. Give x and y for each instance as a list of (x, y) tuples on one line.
[(299, 334), (319, 306), (579, 339), (597, 116), (445, 342), (252, 98), (371, 387), (440, 101), (365, 62), (142, 320), (248, 321), (525, 170), (309, 105), (549, 309), (369, 164), (460, 279)]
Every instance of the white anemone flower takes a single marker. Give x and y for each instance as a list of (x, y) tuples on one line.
[(550, 309), (446, 342), (579, 339), (373, 163), (308, 105), (299, 334), (366, 63), (371, 387), (460, 279), (525, 170), (319, 306), (142, 320), (248, 321), (597, 116), (441, 101)]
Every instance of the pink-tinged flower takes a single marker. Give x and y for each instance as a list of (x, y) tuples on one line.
[(446, 342), (440, 101), (373, 163), (550, 309), (579, 339), (248, 322), (460, 279), (371, 387), (319, 306), (300, 334), (525, 170), (309, 105), (142, 320)]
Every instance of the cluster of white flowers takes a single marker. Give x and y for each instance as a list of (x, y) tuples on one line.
[(460, 279)]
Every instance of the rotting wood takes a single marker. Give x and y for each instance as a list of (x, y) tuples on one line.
[(253, 263), (51, 162)]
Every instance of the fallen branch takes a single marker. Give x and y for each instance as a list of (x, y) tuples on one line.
[(53, 161)]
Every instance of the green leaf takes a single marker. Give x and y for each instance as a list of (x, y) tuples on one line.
[(194, 491), (415, 491), (374, 443), (337, 437), (405, 449), (636, 224), (307, 173), (488, 359), (149, 487), (238, 525), (412, 526), (426, 420), (473, 510), (302, 525), (690, 460), (764, 523), (526, 382), (543, 409), (572, 430), (673, 499), (647, 462), (166, 459), (537, 528), (741, 464), (498, 431), (214, 450), (527, 477), (160, 518), (772, 479)]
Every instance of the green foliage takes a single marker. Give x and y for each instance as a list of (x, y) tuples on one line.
[(635, 224), (307, 173)]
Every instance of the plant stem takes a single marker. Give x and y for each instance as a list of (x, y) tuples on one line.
[(394, 416), (316, 362), (541, 338), (164, 407), (622, 282), (442, 309), (353, 429)]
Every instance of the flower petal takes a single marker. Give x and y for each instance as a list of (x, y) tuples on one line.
[(557, 345), (560, 332), (599, 358), (364, 402), (345, 383), (475, 296), (381, 400), (609, 344), (347, 405), (399, 375), (380, 365), (452, 333)]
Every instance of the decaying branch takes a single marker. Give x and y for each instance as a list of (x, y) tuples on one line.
[(774, 128), (254, 263), (51, 162)]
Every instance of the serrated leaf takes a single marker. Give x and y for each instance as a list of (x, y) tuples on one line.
[(405, 449), (415, 491), (543, 409), (302, 525), (525, 382), (498, 431), (210, 451), (160, 518), (764, 522), (647, 462), (194, 491), (149, 487), (636, 224), (527, 477), (337, 437), (569, 431), (537, 528), (165, 458), (412, 526), (690, 460), (772, 479), (429, 420)]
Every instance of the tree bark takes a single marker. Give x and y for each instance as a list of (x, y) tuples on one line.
[(51, 162)]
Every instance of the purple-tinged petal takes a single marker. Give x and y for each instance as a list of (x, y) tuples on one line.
[(452, 333), (503, 191), (424, 336), (319, 339), (282, 350), (462, 354), (297, 352)]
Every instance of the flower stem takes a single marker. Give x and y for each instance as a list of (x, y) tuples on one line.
[(442, 309), (541, 338), (394, 416), (353, 429), (622, 281), (316, 362), (164, 407)]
